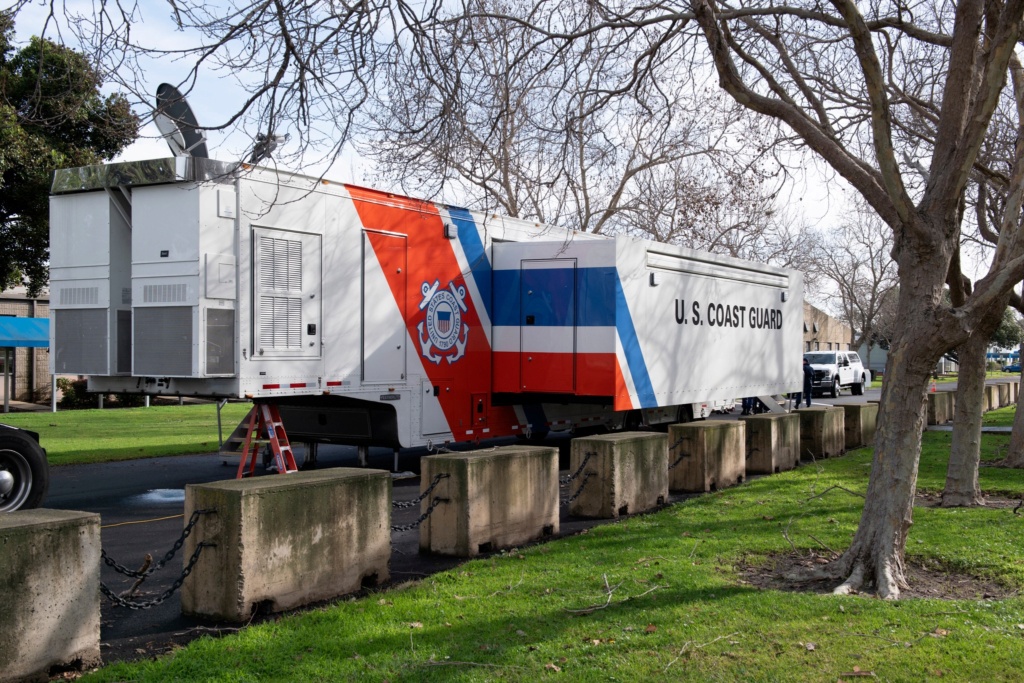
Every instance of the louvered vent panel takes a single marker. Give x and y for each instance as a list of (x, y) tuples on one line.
[(280, 264), (164, 294), (79, 296), (280, 322), (162, 345), (220, 341), (124, 342), (80, 344)]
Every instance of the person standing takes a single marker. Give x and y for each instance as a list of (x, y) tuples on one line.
[(808, 382)]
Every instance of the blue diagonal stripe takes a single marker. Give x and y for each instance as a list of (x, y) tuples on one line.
[(631, 347), (473, 246)]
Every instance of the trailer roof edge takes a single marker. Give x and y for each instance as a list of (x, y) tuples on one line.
[(135, 173)]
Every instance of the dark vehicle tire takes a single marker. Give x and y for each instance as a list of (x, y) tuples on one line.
[(858, 388), (834, 392), (24, 472)]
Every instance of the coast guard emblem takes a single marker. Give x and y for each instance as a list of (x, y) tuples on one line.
[(443, 329)]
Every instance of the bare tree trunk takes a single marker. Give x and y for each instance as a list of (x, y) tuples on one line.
[(1015, 456), (962, 489), (876, 553)]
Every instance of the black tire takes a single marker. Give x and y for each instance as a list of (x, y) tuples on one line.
[(834, 392), (24, 472), (858, 388), (633, 420)]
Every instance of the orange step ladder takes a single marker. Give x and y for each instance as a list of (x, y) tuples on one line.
[(264, 418)]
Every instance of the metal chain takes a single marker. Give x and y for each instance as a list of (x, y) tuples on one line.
[(678, 442), (121, 569), (682, 456), (412, 525), (419, 499), (576, 495), (146, 604), (566, 480)]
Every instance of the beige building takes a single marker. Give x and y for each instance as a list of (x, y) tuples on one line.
[(30, 367), (822, 332)]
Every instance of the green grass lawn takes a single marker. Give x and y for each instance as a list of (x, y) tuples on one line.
[(87, 436), (659, 597)]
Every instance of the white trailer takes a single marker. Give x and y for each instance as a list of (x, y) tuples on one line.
[(376, 319)]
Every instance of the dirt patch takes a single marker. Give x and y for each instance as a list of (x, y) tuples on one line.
[(934, 500), (926, 581)]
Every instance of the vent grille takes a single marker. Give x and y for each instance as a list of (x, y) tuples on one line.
[(79, 296), (124, 342), (164, 294), (162, 341), (80, 341), (280, 264), (220, 341), (280, 322)]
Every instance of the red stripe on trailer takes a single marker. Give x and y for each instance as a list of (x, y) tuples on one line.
[(595, 373), (334, 384), (271, 386), (296, 385), (622, 399)]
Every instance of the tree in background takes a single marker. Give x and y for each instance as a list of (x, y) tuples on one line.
[(856, 261), (52, 115), (962, 488), (520, 129), (991, 202), (1009, 334)]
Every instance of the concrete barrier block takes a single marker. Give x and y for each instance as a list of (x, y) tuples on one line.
[(286, 540), (859, 424), (822, 432), (628, 474), (991, 398), (1003, 389), (1014, 390), (497, 498), (940, 407), (706, 455), (772, 442), (50, 595)]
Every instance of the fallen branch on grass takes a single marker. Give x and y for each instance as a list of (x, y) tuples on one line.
[(691, 646), (610, 590)]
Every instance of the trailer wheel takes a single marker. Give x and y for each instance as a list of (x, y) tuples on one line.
[(632, 421), (24, 472), (835, 388)]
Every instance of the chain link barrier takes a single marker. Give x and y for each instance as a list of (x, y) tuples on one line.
[(682, 456), (419, 499), (153, 602), (576, 495), (422, 518), (121, 569), (142, 575), (565, 481)]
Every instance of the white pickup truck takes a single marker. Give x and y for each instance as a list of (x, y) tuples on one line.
[(837, 370)]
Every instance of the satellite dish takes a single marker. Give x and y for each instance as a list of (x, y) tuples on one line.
[(178, 124)]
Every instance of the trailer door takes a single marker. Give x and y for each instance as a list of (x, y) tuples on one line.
[(548, 325), (384, 334)]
